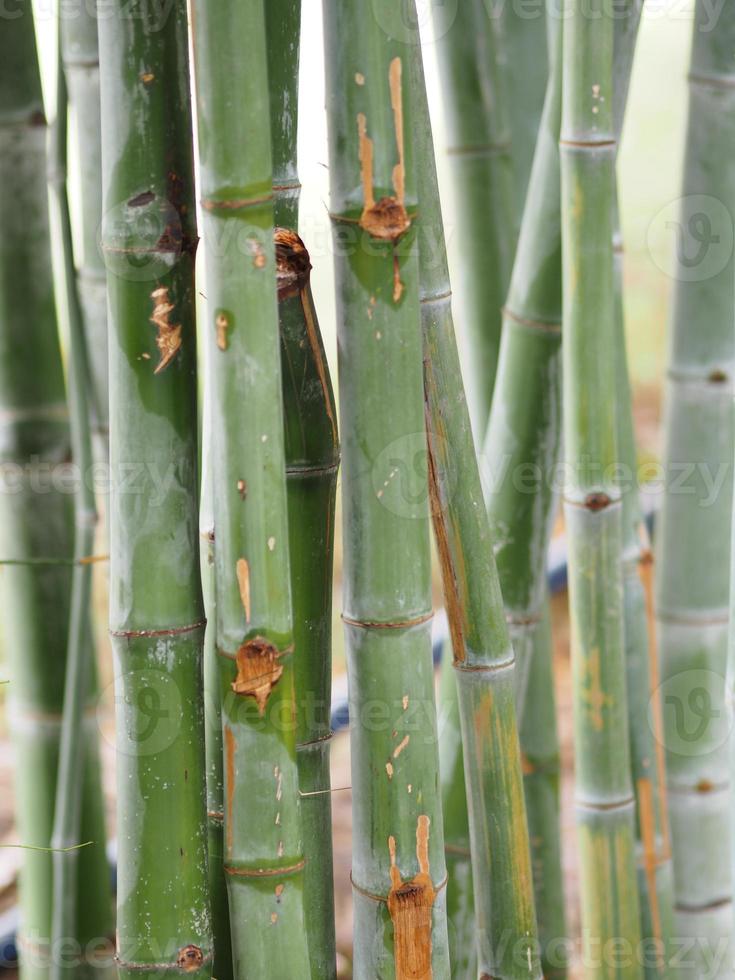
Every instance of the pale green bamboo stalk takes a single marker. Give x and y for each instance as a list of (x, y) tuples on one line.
[(505, 921), (525, 65), (80, 59), (78, 749), (693, 544), (263, 839), (604, 792), (35, 527), (474, 86), (398, 868), (520, 456)]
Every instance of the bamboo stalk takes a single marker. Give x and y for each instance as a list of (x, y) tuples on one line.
[(460, 891), (520, 454), (693, 536), (525, 64), (474, 84), (35, 526), (398, 868), (77, 751), (80, 59), (263, 846), (483, 661), (312, 461), (214, 745), (604, 791), (156, 615)]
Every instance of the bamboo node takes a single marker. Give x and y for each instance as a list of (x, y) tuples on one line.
[(386, 220), (258, 671), (597, 501), (190, 958)]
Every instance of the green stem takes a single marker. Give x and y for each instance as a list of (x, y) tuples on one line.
[(505, 918), (474, 84), (263, 845), (693, 566), (312, 463), (520, 455), (398, 867), (77, 750), (80, 60), (604, 791), (156, 614), (34, 448)]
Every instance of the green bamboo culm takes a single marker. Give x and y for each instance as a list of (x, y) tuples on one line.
[(398, 866), (80, 59), (604, 792), (525, 64), (474, 83), (78, 748), (263, 840), (505, 921), (214, 746), (156, 611), (645, 720), (522, 442), (37, 527), (312, 463), (693, 548)]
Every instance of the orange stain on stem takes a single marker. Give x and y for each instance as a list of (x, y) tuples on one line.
[(410, 907)]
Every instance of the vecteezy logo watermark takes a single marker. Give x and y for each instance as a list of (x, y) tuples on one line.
[(702, 231), (696, 722), (409, 22)]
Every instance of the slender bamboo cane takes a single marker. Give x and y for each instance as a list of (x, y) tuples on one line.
[(505, 918), (692, 539), (80, 59), (525, 64), (604, 792), (262, 820), (156, 615), (460, 892), (520, 455), (312, 461), (655, 869), (77, 751), (283, 33), (36, 518), (479, 134), (398, 868), (645, 720), (214, 746)]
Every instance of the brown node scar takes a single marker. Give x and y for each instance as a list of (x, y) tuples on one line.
[(410, 906), (168, 340), (258, 671), (386, 219), (190, 958), (293, 266), (597, 501)]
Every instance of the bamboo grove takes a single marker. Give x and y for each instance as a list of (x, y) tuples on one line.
[(158, 325)]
